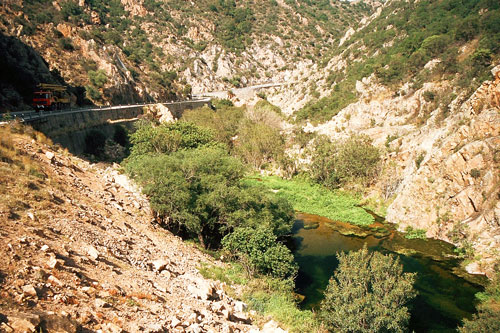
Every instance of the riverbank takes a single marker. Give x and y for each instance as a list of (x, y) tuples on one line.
[(314, 199)]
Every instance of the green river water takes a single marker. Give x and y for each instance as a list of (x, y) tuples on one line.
[(446, 294)]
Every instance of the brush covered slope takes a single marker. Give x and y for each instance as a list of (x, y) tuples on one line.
[(134, 50)]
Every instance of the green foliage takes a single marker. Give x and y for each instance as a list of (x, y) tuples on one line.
[(92, 93), (411, 233), (258, 143), (196, 192), (367, 293), (259, 251), (224, 121), (65, 44), (352, 160), (98, 78), (327, 107), (475, 173), (488, 317), (220, 103), (168, 137), (70, 9), (315, 199), (419, 159), (234, 27)]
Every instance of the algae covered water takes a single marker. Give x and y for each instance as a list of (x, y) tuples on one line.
[(443, 299)]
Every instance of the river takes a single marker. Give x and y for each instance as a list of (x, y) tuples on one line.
[(444, 298)]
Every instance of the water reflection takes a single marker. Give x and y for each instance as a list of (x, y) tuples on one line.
[(443, 300)]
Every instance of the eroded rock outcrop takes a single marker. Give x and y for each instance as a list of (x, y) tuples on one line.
[(442, 165)]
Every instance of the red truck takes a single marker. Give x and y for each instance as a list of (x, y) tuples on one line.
[(50, 97)]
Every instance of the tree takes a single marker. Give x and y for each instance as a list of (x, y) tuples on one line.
[(368, 293), (224, 121), (258, 143), (259, 250), (197, 193), (169, 137), (337, 163)]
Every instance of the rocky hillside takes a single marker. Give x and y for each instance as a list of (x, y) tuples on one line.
[(440, 171), (420, 79), (131, 50), (79, 253)]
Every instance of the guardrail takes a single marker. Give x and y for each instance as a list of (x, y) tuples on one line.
[(30, 115)]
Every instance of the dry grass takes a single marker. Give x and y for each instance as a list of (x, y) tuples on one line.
[(22, 175)]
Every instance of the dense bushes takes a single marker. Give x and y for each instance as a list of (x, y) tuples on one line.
[(259, 250), (337, 163), (368, 293), (168, 138), (195, 190)]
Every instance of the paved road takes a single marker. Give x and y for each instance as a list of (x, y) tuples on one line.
[(239, 91), (30, 115)]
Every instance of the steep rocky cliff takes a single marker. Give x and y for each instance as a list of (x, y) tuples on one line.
[(441, 171)]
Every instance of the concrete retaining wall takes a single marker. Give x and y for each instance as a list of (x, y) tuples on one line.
[(70, 128)]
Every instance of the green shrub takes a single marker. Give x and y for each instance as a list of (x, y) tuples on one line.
[(411, 233), (92, 93), (259, 251), (475, 173), (419, 159), (168, 137), (368, 293), (338, 163), (98, 78), (70, 9), (65, 44)]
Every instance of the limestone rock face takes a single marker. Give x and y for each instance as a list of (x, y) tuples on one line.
[(442, 171)]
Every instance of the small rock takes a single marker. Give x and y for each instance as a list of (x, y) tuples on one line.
[(54, 263), (160, 286), (23, 322), (55, 281), (50, 155), (62, 323), (6, 328), (240, 306), (29, 290), (226, 313), (204, 290), (100, 303), (272, 327), (175, 322), (195, 328), (92, 252), (110, 328), (160, 264), (44, 248), (31, 216)]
